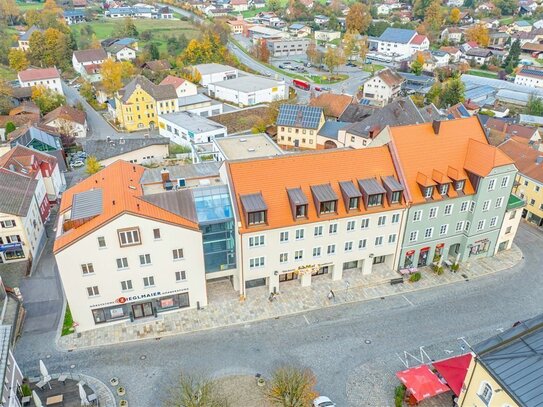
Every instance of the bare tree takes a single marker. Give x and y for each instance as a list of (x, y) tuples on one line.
[(194, 391), (291, 386)]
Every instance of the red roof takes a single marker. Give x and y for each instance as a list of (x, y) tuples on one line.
[(421, 382), (33, 74), (418, 39), (172, 80), (454, 371)]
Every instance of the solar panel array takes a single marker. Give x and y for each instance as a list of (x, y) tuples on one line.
[(532, 71), (299, 116)]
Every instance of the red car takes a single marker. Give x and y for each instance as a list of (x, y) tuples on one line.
[(317, 88)]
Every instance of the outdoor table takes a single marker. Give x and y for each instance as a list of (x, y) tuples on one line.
[(54, 400)]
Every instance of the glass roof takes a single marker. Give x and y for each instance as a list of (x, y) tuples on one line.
[(212, 204)]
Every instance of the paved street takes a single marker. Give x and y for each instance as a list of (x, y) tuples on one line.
[(331, 341)]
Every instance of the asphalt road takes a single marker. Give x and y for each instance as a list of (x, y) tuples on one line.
[(331, 341)]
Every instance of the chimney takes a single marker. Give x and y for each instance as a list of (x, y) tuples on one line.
[(435, 125), (165, 175)]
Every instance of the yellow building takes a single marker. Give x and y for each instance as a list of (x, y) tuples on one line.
[(298, 125), (140, 102), (507, 369), (529, 180)]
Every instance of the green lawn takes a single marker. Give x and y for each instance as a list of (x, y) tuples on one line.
[(483, 74), (323, 80), (7, 73), (67, 326), (29, 6), (161, 30), (372, 67)]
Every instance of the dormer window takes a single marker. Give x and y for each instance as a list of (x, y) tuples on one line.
[(459, 185), (256, 210), (301, 211), (427, 192), (325, 198), (256, 218), (375, 200), (395, 197), (351, 195), (394, 189), (372, 191), (444, 189), (353, 203)]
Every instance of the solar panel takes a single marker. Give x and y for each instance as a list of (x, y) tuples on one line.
[(299, 116), (531, 71)]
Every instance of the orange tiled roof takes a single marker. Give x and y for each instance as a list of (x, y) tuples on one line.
[(273, 176), (459, 145), (121, 193), (333, 105), (525, 157)]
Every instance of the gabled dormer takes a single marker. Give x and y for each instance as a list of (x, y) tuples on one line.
[(458, 180), (325, 199), (426, 185), (394, 190), (351, 196), (372, 192), (255, 209), (443, 182), (298, 203)]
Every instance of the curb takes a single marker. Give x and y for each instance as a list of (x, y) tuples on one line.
[(252, 321)]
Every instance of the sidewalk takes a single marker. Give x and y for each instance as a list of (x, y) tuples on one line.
[(226, 309)]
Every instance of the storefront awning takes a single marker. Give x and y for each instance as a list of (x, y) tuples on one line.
[(454, 371), (421, 382), (10, 246)]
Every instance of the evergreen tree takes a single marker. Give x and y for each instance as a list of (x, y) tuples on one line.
[(453, 92), (512, 59)]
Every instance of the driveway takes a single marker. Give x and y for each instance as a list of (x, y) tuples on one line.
[(350, 348)]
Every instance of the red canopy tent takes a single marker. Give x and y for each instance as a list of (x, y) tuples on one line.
[(421, 382), (454, 371)]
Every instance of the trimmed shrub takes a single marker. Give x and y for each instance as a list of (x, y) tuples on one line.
[(415, 277)]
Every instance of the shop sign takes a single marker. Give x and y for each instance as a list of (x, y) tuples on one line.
[(441, 245), (133, 298), (425, 249), (10, 246), (410, 253)]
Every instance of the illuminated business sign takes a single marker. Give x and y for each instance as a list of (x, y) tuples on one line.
[(140, 297)]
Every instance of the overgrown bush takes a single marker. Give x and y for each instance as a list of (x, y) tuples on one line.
[(25, 389), (455, 267), (415, 277)]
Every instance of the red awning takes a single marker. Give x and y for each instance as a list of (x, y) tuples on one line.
[(454, 371), (421, 382)]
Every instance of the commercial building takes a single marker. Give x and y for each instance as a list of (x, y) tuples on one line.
[(140, 102), (46, 77), (304, 224), (507, 369), (298, 125), (212, 73), (248, 90), (457, 194), (288, 46), (186, 128), (201, 105), (529, 179)]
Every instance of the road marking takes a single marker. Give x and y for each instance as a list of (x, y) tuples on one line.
[(306, 320), (410, 303)]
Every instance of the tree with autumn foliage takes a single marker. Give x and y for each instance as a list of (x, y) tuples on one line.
[(190, 74), (333, 57), (9, 11), (18, 60), (113, 72), (92, 166), (208, 49), (454, 16), (479, 34), (6, 93), (51, 48), (433, 17), (359, 18), (47, 99), (261, 51), (292, 387), (314, 55)]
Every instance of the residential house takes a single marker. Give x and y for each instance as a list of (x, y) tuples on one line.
[(321, 20), (239, 5), (305, 225), (211, 73), (237, 26), (530, 76), (79, 4), (480, 56), (163, 13), (121, 52), (388, 7), (129, 12), (248, 90), (257, 4), (529, 179), (186, 128), (383, 87), (485, 8), (23, 41), (140, 102), (67, 120), (46, 77), (183, 88), (454, 53), (128, 41), (520, 25), (465, 47), (88, 63), (489, 380), (457, 200), (74, 16), (499, 130), (298, 125), (333, 105), (159, 65), (327, 35), (532, 48), (299, 30), (135, 257), (453, 35), (399, 42), (145, 150), (498, 40)]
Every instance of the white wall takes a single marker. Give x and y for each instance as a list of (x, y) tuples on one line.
[(218, 76), (147, 155), (186, 89), (180, 135), (108, 278), (248, 98), (53, 84), (75, 129), (511, 221), (528, 81)]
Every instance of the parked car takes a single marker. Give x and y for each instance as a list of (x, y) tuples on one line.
[(286, 63), (325, 88), (77, 164), (81, 154), (317, 88), (282, 67), (323, 401)]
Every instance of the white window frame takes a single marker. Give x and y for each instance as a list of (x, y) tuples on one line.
[(486, 205), (180, 276), (395, 218), (362, 244), (428, 233), (148, 281), (283, 236), (382, 220), (481, 225), (492, 184), (317, 252), (499, 202), (505, 182), (257, 241), (448, 209), (331, 249), (126, 285), (443, 232), (87, 269), (257, 262), (433, 211), (93, 291), (464, 206), (364, 223), (147, 259), (298, 255), (351, 224), (299, 234), (318, 231), (332, 229), (493, 221), (413, 236), (123, 261), (459, 226), (378, 241), (176, 256)]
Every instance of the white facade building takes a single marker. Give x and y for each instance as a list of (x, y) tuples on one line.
[(383, 87), (530, 76), (186, 128), (248, 90), (399, 42), (47, 77), (212, 73)]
